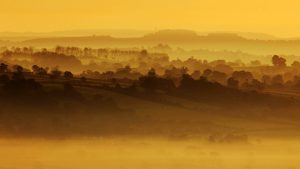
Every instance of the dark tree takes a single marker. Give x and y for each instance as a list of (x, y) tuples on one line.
[(35, 68), (296, 64), (242, 76), (144, 52), (196, 74), (266, 79), (83, 79), (68, 75), (152, 82), (18, 72), (277, 81), (232, 83), (3, 68), (278, 61), (207, 73), (39, 70), (18, 68), (55, 73)]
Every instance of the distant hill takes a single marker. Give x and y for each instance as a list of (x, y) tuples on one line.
[(257, 36), (172, 35), (20, 36), (188, 35), (246, 35), (186, 39), (126, 33)]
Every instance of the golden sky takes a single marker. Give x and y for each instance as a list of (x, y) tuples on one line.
[(277, 17)]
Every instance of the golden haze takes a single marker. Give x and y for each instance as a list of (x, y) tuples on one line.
[(269, 16)]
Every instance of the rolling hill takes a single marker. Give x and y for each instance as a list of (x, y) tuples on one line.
[(176, 38)]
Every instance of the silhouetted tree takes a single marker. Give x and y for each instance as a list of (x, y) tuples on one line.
[(152, 82), (242, 76), (296, 64), (277, 81), (266, 79), (3, 68), (232, 83), (68, 75), (152, 73), (35, 68), (199, 88), (187, 82), (83, 79), (18, 72), (55, 73), (253, 85), (224, 68), (196, 74), (257, 85), (175, 73), (39, 70), (18, 68), (144, 52), (217, 76), (207, 73), (296, 81), (278, 61)]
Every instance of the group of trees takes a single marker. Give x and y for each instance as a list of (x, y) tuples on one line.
[(43, 57), (150, 87), (121, 73), (91, 52), (18, 72), (132, 64), (172, 77)]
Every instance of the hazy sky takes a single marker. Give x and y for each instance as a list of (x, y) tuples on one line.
[(278, 17)]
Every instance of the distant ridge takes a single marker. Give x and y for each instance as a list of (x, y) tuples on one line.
[(186, 39), (177, 34), (127, 33)]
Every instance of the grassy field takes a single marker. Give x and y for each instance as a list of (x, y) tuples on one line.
[(125, 153)]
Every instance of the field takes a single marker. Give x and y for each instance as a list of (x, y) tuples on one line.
[(125, 153)]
